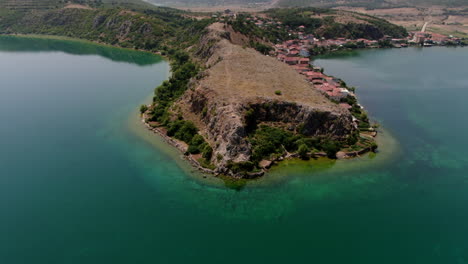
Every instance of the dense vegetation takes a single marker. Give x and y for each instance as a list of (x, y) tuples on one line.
[(323, 23), (165, 95), (271, 142), (148, 29), (269, 32)]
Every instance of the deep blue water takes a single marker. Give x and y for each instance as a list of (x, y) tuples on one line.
[(81, 181)]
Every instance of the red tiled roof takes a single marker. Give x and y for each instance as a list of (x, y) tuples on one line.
[(345, 106), (291, 59)]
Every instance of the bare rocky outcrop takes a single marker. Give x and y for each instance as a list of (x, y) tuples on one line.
[(238, 89), (98, 20)]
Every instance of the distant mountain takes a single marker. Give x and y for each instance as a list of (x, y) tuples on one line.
[(314, 3), (51, 4), (370, 3), (208, 3)]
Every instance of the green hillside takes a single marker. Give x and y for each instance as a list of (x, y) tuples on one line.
[(152, 29), (331, 23)]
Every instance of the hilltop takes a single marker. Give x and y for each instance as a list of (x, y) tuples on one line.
[(249, 110)]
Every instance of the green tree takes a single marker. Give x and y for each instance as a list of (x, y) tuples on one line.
[(303, 150)]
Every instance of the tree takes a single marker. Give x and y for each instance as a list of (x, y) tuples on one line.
[(303, 150), (143, 108), (331, 148)]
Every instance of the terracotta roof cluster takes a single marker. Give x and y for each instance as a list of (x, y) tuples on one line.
[(287, 53)]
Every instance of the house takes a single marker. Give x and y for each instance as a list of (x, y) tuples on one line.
[(315, 75), (304, 53), (293, 53), (345, 106), (300, 68), (292, 60), (304, 61)]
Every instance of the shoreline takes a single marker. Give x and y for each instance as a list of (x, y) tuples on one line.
[(181, 147), (85, 41), (277, 174)]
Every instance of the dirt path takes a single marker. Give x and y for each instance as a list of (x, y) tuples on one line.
[(424, 27), (273, 4)]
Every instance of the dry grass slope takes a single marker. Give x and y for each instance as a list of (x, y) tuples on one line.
[(244, 74)]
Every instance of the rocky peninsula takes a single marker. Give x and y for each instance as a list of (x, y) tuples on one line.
[(231, 106), (243, 100)]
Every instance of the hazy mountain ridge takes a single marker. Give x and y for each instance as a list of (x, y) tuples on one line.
[(372, 3), (52, 4), (316, 3)]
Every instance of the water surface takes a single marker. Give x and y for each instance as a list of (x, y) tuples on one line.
[(82, 182)]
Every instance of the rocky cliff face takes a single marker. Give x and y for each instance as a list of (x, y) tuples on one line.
[(237, 92)]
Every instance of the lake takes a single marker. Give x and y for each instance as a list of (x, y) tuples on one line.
[(82, 181)]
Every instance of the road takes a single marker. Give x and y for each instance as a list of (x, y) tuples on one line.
[(424, 27)]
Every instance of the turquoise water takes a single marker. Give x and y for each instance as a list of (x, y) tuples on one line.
[(81, 181)]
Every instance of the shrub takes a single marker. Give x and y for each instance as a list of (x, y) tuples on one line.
[(278, 92), (183, 130), (192, 149), (207, 152), (303, 150), (331, 148), (206, 164), (197, 140), (240, 167), (270, 140), (143, 108)]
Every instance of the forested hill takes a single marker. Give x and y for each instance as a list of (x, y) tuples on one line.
[(331, 23), (326, 23), (154, 29)]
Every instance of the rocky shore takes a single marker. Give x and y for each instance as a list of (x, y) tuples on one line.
[(264, 164)]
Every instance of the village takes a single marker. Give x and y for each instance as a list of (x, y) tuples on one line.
[(298, 53), (298, 50), (293, 53)]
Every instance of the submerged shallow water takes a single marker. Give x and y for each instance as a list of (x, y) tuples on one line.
[(81, 181)]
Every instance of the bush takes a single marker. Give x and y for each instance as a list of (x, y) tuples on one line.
[(278, 92), (207, 152), (183, 130), (241, 167), (270, 140), (143, 108), (197, 140), (192, 149), (206, 164), (303, 150), (331, 148)]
